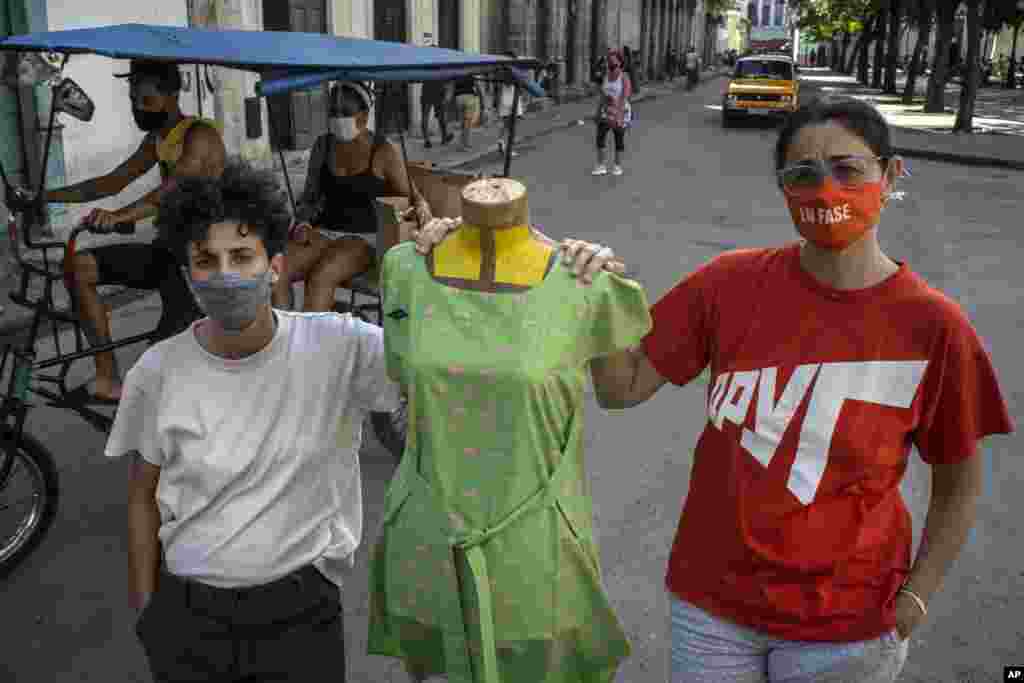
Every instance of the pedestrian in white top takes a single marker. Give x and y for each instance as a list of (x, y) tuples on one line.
[(614, 113), (245, 504), (505, 105)]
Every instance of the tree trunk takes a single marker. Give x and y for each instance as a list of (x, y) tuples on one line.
[(846, 56), (917, 63), (879, 61), (862, 60), (892, 53), (944, 12), (969, 90), (858, 45), (1011, 73)]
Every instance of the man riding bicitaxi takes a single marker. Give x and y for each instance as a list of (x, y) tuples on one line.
[(183, 146)]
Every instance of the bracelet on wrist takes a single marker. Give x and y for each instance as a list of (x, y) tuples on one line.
[(916, 598)]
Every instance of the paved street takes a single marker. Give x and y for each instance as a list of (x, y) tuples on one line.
[(691, 190)]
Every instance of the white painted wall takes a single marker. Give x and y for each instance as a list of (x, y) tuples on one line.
[(97, 147), (232, 85), (352, 18)]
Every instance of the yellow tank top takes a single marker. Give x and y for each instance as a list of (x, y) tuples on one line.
[(169, 150)]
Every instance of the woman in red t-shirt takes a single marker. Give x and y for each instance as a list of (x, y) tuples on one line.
[(827, 359)]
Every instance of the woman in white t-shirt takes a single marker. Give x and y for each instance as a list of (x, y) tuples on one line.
[(614, 113)]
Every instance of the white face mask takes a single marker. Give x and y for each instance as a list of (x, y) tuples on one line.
[(343, 127)]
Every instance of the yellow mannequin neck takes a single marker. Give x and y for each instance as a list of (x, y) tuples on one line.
[(518, 258)]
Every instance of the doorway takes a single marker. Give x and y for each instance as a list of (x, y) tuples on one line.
[(297, 118), (545, 19), (390, 23), (449, 22), (571, 22)]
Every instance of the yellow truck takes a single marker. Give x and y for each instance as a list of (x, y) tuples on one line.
[(761, 85)]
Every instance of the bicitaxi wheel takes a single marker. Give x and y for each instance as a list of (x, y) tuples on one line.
[(28, 498)]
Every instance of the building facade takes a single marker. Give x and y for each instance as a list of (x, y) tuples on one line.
[(575, 33), (769, 24), (84, 150)]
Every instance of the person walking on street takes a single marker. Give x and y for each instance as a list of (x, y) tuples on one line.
[(468, 106), (435, 97), (614, 113), (692, 66), (827, 359), (506, 99)]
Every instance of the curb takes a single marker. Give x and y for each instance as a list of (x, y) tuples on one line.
[(953, 157), (959, 159)]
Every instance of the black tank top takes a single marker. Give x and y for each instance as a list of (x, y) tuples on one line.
[(349, 205)]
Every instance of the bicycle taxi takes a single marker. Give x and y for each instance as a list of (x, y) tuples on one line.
[(284, 62)]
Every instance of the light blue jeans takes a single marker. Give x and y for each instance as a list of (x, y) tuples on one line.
[(706, 649)]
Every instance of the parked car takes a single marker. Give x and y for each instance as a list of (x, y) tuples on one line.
[(761, 85)]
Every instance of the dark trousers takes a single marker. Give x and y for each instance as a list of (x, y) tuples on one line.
[(442, 118), (150, 266), (618, 133), (286, 631)]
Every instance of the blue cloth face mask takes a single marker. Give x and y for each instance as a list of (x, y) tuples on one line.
[(231, 300)]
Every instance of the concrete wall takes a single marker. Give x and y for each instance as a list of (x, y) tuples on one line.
[(351, 18), (234, 86), (624, 22), (94, 148), (470, 26)]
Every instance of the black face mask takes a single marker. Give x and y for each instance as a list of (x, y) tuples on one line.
[(149, 120)]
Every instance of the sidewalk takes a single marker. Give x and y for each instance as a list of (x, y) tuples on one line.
[(543, 118), (998, 121)]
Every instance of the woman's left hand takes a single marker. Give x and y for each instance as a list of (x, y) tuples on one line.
[(433, 233), (588, 259), (420, 213), (908, 615)]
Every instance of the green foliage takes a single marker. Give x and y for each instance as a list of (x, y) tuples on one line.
[(718, 8), (822, 19), (1000, 13)]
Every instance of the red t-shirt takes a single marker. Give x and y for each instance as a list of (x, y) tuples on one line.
[(794, 525)]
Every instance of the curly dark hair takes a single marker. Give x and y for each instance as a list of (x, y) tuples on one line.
[(244, 194)]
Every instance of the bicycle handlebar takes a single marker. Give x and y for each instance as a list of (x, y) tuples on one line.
[(125, 228)]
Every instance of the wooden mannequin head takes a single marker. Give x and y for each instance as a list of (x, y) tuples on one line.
[(495, 203)]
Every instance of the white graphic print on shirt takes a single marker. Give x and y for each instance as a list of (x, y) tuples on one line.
[(887, 383)]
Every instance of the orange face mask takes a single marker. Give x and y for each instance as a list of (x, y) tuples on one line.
[(831, 216)]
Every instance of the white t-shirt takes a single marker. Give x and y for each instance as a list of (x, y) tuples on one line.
[(613, 88), (259, 456)]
